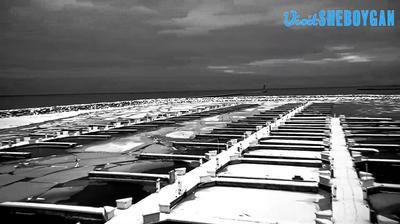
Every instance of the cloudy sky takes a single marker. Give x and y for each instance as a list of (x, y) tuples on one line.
[(77, 46)]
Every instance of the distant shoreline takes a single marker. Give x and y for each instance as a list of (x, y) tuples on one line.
[(239, 91), (10, 102)]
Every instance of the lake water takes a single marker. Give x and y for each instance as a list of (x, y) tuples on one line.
[(28, 101)]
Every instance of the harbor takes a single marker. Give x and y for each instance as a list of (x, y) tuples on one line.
[(197, 111), (327, 168)]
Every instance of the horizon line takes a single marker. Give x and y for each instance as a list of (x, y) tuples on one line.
[(204, 90)]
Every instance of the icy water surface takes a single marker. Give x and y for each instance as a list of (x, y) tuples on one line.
[(60, 176)]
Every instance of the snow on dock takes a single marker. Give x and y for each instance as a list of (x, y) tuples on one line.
[(169, 156), (289, 147), (349, 207), (91, 214), (170, 195), (284, 154), (126, 176), (278, 173), (117, 126), (300, 206), (15, 155)]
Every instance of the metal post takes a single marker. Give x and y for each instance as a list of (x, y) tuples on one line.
[(158, 185), (179, 186), (171, 176), (334, 191)]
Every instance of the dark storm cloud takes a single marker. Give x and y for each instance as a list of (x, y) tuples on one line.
[(144, 45)]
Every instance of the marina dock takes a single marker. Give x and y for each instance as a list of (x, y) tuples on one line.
[(294, 157), (211, 174), (161, 205), (348, 206), (99, 131)]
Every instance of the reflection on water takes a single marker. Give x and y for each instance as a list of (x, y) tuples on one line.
[(387, 204), (151, 166), (97, 193), (118, 145)]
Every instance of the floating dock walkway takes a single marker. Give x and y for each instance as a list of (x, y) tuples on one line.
[(348, 206), (126, 177), (68, 137), (160, 206), (297, 162)]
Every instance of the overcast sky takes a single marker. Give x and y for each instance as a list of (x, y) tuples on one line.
[(75, 46)]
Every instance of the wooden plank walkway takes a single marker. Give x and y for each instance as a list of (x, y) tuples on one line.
[(348, 207)]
